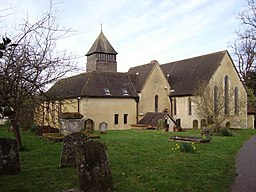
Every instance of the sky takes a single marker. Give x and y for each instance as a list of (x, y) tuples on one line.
[(139, 30)]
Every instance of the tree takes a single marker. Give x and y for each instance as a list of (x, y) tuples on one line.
[(217, 105), (244, 46), (30, 64)]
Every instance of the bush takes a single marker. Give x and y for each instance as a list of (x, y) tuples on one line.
[(40, 130), (185, 147), (226, 132), (206, 132)]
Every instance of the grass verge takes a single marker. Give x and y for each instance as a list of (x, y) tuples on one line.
[(140, 161)]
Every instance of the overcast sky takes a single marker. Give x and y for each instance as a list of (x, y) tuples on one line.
[(140, 30)]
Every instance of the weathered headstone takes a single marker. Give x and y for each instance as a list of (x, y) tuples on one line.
[(9, 156), (94, 172), (89, 126), (103, 127), (70, 142), (71, 125)]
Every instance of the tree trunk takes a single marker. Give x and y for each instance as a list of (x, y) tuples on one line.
[(16, 130)]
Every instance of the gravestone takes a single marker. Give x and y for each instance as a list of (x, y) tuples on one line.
[(93, 166), (103, 127), (70, 142), (9, 156), (89, 126), (71, 125)]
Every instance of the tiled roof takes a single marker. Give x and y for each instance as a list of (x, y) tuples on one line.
[(184, 75), (140, 74), (94, 84), (101, 45), (151, 118)]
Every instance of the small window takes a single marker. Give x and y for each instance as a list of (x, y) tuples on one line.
[(215, 99), (116, 119), (107, 92), (156, 103), (125, 92), (189, 106), (174, 106), (226, 95), (236, 101), (125, 118)]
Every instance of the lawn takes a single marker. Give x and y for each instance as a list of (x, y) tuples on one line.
[(140, 161)]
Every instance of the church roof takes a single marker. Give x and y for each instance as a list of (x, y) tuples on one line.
[(184, 75), (94, 84), (101, 45), (139, 75)]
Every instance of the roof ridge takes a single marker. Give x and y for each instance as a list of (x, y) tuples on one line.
[(139, 66), (194, 57)]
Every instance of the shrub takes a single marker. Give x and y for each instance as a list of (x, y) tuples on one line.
[(40, 130), (185, 147), (226, 132), (206, 132)]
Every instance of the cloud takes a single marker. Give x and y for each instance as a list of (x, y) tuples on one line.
[(141, 31)]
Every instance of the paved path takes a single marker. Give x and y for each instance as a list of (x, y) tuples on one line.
[(246, 168)]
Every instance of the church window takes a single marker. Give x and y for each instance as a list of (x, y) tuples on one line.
[(125, 118), (116, 119), (203, 123), (236, 101), (215, 99), (107, 92), (156, 104), (53, 111), (189, 106), (174, 106), (226, 95), (195, 124)]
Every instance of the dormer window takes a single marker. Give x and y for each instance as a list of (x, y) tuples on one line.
[(125, 92), (107, 92)]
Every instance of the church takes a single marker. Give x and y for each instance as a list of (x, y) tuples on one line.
[(146, 92)]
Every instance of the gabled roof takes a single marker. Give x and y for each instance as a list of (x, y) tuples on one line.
[(152, 118), (101, 45), (94, 84), (185, 74), (140, 74)]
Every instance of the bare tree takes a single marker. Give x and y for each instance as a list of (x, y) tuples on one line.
[(244, 46), (31, 63), (217, 105)]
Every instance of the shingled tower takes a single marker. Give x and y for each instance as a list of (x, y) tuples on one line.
[(101, 56)]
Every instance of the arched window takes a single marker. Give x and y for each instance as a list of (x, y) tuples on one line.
[(189, 106), (156, 103), (236, 101), (228, 125), (226, 95), (174, 106), (195, 124), (215, 99), (203, 123)]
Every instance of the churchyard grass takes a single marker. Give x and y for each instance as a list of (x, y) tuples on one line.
[(140, 161)]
